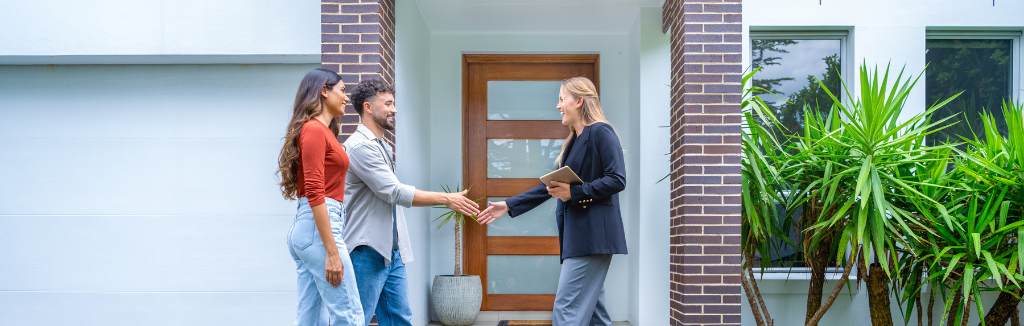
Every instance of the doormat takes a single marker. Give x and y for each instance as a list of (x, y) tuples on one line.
[(524, 323)]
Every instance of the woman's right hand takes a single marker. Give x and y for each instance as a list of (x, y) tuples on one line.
[(334, 269), (493, 212)]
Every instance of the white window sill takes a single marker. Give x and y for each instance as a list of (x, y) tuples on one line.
[(796, 280)]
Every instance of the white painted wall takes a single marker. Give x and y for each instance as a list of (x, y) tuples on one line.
[(145, 195), (880, 32), (175, 31), (446, 121), (593, 17), (412, 78), (634, 196), (649, 253)]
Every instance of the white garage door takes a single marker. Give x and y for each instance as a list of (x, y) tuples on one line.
[(144, 194)]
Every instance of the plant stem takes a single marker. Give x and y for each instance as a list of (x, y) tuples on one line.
[(931, 304), (750, 300), (878, 296), (819, 262), (956, 305), (757, 292), (458, 245), (835, 291), (967, 311)]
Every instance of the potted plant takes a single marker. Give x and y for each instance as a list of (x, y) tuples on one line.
[(456, 298)]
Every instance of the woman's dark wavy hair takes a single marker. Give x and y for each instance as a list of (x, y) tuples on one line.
[(308, 105)]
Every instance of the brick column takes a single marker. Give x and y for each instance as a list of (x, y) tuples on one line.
[(357, 39), (705, 137)]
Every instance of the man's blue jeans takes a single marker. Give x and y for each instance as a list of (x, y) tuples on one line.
[(383, 289)]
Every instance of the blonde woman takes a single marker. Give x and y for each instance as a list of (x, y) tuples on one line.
[(588, 214)]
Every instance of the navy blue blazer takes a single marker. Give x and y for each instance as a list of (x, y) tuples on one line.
[(591, 221)]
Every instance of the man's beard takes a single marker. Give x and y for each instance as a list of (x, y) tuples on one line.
[(382, 121)]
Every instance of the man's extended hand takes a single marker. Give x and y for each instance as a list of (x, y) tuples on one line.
[(459, 203)]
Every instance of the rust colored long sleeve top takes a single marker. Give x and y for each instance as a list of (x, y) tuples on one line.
[(322, 164)]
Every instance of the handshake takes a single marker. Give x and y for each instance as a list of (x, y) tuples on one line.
[(458, 202)]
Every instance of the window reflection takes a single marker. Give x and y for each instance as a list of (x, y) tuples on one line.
[(521, 158), (523, 100), (538, 222), (522, 274), (978, 68), (788, 70)]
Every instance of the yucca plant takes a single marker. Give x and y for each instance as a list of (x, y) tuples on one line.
[(973, 239), (458, 219), (760, 183), (978, 226), (1002, 159), (939, 184), (862, 174), (804, 173)]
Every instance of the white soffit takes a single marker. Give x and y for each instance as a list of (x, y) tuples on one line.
[(531, 16)]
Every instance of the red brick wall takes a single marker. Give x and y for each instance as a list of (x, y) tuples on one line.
[(357, 39), (705, 120)]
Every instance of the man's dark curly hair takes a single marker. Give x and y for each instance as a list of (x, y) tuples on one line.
[(366, 90)]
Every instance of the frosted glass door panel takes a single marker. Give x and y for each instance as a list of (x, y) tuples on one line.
[(522, 274), (521, 158), (523, 100), (538, 222)]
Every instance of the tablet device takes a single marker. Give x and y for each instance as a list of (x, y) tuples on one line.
[(563, 175)]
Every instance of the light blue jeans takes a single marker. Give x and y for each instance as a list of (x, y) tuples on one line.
[(384, 289), (321, 303)]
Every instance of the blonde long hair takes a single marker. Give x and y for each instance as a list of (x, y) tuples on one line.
[(582, 87)]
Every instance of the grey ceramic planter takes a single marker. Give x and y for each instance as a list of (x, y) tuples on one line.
[(456, 299)]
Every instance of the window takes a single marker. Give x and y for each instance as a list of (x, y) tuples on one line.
[(791, 65), (982, 66)]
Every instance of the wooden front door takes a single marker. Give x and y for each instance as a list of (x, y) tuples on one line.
[(512, 134)]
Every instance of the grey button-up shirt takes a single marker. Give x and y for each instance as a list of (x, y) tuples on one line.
[(371, 191)]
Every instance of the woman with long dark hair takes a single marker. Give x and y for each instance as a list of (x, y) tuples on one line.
[(588, 215), (312, 166)]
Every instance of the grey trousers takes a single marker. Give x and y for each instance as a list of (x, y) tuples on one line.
[(580, 297)]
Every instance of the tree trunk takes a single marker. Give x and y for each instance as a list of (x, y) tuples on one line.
[(458, 247), (757, 293), (967, 312), (951, 320), (931, 304), (1015, 317), (862, 270), (751, 299), (1005, 306), (835, 291), (819, 262), (878, 296)]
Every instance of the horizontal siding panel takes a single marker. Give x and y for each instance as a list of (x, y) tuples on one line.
[(201, 253), (148, 101), (151, 309), (141, 177)]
